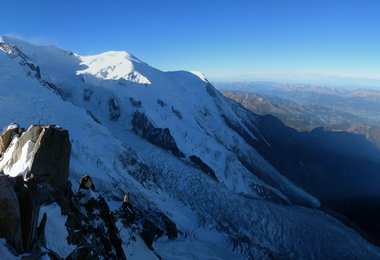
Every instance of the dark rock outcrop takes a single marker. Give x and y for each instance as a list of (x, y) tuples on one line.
[(49, 155), (157, 136), (54, 88), (161, 103), (91, 224), (210, 89), (87, 93), (29, 203), (114, 110), (42, 181), (93, 117), (135, 103), (150, 222), (86, 183), (7, 135), (203, 166), (177, 113), (10, 217), (52, 157), (41, 231)]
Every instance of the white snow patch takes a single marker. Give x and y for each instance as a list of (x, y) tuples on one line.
[(24, 163), (55, 231), (4, 251), (133, 245), (11, 126), (193, 249), (87, 195), (8, 154), (200, 75)]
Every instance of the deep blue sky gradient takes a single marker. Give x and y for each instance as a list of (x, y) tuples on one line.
[(233, 40)]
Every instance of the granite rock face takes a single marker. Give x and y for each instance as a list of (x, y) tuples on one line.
[(34, 169), (10, 218), (160, 137), (7, 135), (52, 156), (114, 110), (42, 153), (90, 224)]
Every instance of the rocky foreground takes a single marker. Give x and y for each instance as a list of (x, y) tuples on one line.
[(34, 171)]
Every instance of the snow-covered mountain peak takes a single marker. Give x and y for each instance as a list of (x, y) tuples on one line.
[(113, 65), (200, 75)]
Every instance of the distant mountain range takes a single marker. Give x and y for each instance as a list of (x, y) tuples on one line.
[(302, 117), (307, 107)]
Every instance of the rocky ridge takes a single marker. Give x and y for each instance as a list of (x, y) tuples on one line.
[(90, 224)]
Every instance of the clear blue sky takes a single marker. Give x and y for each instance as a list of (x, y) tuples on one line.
[(232, 40)]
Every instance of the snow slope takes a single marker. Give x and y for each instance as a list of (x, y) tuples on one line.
[(55, 230), (181, 101), (4, 251), (248, 209)]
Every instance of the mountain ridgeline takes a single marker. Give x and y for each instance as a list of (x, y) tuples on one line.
[(161, 163)]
